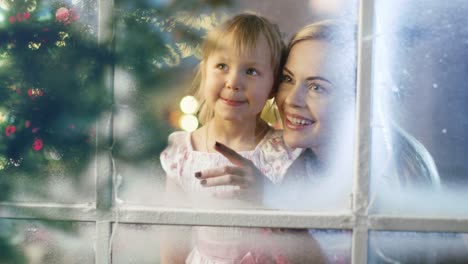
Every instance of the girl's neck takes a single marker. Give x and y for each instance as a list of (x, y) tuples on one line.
[(238, 136)]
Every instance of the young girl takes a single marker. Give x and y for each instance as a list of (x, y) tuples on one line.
[(238, 72)]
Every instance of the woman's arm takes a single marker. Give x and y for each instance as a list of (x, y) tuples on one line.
[(175, 240)]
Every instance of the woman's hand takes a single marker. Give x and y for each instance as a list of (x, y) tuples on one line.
[(243, 174)]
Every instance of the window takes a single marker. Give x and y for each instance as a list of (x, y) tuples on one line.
[(411, 70)]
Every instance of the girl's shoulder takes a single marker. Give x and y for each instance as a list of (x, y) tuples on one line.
[(178, 147), (273, 144), (273, 138), (274, 156), (179, 139)]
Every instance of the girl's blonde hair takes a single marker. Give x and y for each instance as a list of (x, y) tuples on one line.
[(245, 30)]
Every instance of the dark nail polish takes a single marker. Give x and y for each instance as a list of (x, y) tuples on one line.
[(203, 182), (198, 175), (217, 144)]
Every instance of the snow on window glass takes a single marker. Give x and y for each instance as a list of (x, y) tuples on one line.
[(420, 123)]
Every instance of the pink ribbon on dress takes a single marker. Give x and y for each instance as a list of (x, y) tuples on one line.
[(262, 258)]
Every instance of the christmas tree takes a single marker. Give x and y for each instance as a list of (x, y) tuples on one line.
[(54, 82)]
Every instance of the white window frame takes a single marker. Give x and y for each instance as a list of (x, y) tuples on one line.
[(359, 221)]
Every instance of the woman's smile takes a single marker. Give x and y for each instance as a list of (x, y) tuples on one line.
[(297, 122)]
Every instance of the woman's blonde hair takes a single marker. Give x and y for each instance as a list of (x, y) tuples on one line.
[(245, 30), (339, 33), (333, 31)]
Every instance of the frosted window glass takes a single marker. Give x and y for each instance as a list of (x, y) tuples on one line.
[(151, 80), (420, 123), (48, 241), (228, 243), (413, 247), (48, 114)]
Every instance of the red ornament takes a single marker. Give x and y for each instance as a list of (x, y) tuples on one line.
[(10, 130), (65, 15), (26, 15), (27, 124), (38, 144), (19, 17), (35, 92)]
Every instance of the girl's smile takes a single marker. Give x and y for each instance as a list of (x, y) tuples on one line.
[(232, 102)]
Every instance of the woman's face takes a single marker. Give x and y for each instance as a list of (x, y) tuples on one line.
[(309, 96)]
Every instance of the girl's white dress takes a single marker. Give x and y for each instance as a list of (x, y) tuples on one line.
[(216, 245)]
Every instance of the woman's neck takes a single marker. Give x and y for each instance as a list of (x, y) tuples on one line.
[(311, 156), (333, 157)]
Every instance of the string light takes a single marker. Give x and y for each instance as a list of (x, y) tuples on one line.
[(4, 5), (3, 162), (189, 105), (2, 117), (3, 59), (188, 122)]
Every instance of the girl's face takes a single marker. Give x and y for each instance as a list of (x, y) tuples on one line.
[(236, 85), (308, 96)]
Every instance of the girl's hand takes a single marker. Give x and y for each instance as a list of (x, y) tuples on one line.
[(244, 174)]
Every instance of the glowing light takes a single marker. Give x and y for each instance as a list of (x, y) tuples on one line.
[(34, 45), (3, 162), (60, 44), (3, 58), (2, 18), (4, 5), (188, 122), (189, 105), (63, 36)]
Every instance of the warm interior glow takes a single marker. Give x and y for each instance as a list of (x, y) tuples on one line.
[(189, 105), (188, 122)]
